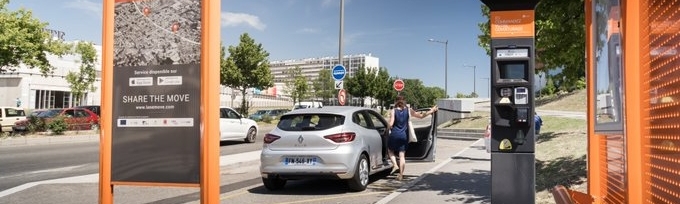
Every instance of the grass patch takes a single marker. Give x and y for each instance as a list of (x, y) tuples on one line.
[(560, 152), (560, 159), (559, 124), (574, 101), (476, 120)]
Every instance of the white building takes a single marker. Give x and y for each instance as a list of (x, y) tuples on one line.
[(312, 66), (52, 91)]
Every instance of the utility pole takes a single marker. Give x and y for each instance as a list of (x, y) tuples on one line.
[(474, 78), (488, 84), (342, 28), (446, 64)]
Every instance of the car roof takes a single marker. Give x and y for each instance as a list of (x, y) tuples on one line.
[(341, 110)]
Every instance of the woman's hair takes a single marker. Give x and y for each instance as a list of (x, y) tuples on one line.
[(400, 102)]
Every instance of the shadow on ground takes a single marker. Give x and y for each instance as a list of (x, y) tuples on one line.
[(566, 171), (547, 136), (462, 187)]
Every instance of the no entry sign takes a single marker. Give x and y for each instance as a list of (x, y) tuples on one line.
[(342, 96), (398, 85)]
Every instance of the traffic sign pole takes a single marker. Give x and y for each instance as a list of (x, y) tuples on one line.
[(338, 73)]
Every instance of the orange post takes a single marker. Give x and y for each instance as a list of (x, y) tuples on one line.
[(210, 72), (594, 157), (632, 80), (105, 187)]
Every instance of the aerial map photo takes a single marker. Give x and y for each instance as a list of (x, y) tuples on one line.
[(157, 32)]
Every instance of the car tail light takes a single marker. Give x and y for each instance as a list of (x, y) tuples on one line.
[(269, 138), (342, 137)]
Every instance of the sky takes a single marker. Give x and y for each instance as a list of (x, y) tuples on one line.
[(395, 31)]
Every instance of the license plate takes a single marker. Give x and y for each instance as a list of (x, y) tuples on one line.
[(299, 161)]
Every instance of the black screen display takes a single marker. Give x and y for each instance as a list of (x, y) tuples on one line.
[(512, 70)]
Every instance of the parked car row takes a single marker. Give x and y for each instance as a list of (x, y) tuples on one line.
[(75, 118), (271, 113)]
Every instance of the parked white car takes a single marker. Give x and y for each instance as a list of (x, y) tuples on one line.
[(10, 115), (233, 126)]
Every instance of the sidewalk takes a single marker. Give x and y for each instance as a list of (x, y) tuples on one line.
[(464, 178)]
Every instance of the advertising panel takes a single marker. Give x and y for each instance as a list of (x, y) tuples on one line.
[(156, 91)]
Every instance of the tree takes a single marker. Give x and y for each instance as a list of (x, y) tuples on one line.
[(323, 86), (360, 84), (432, 94), (549, 88), (296, 85), (246, 67), (82, 81), (383, 88), (23, 40), (560, 39)]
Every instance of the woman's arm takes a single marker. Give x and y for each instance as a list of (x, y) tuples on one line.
[(389, 125), (421, 116)]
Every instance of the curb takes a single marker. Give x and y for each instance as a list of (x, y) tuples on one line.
[(41, 140)]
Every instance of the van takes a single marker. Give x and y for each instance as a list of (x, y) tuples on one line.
[(307, 104), (10, 115)]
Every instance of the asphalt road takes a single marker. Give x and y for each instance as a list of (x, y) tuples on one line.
[(24, 164)]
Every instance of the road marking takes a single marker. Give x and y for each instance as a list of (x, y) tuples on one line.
[(225, 160), (331, 198), (68, 168), (410, 184)]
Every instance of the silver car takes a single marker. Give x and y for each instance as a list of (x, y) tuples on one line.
[(339, 142)]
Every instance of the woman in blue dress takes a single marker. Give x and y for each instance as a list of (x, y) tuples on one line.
[(398, 126)]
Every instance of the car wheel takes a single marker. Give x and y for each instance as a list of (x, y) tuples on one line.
[(273, 183), (360, 180), (252, 134)]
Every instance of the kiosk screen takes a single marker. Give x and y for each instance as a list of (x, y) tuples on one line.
[(512, 70)]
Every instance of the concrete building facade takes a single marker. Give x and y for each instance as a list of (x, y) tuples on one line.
[(312, 66), (27, 88)]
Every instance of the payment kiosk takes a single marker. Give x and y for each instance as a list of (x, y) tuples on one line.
[(512, 102), (513, 173)]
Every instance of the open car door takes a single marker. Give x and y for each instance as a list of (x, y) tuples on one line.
[(424, 149)]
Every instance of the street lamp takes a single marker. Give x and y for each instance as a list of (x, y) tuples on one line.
[(474, 78), (446, 64), (488, 84)]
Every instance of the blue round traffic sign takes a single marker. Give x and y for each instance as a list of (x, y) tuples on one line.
[(339, 72)]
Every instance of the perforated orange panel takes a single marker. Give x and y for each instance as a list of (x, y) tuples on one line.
[(612, 151), (661, 65)]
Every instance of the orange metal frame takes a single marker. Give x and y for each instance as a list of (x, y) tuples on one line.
[(210, 62), (594, 179), (634, 106)]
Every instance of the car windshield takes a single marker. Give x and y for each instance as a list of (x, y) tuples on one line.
[(310, 122), (261, 112), (49, 113)]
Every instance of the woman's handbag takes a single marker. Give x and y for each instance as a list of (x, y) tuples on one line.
[(411, 132)]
